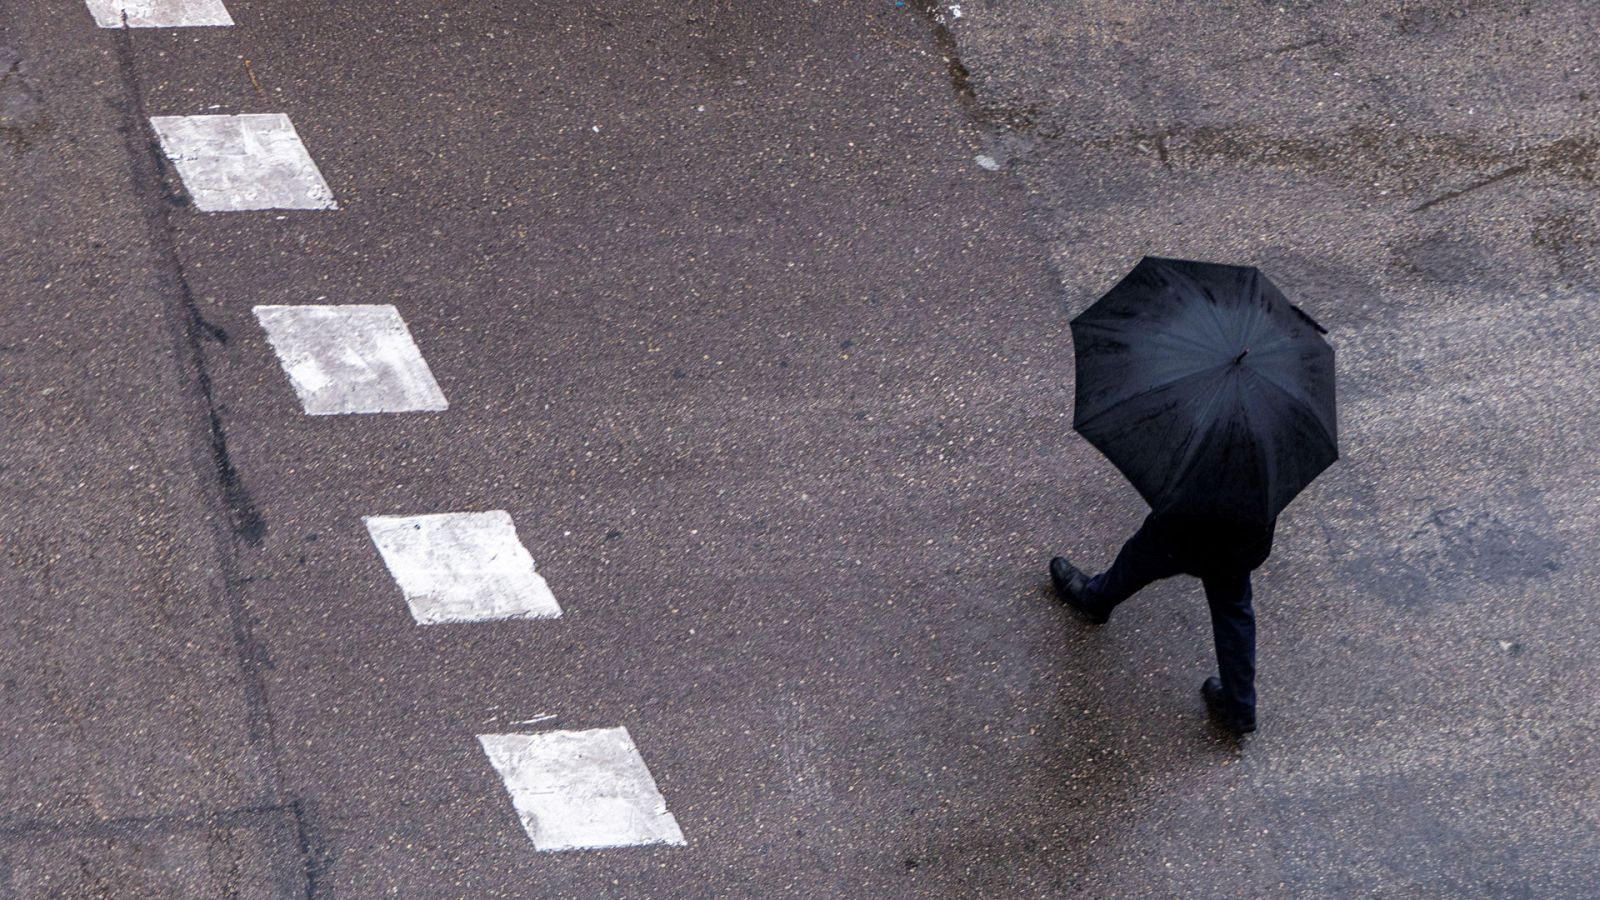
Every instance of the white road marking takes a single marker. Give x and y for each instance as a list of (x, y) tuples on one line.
[(159, 13), (238, 163), (351, 359), (577, 790), (462, 567)]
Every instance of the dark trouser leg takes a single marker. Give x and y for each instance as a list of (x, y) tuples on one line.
[(1141, 561), (1233, 628)]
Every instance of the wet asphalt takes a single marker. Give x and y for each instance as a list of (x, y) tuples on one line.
[(775, 379), (1421, 177)]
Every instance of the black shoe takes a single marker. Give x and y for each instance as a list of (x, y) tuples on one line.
[(1070, 584), (1238, 725)]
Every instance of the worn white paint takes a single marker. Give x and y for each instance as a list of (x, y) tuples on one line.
[(158, 13), (351, 359), (577, 790), (462, 567), (238, 163)]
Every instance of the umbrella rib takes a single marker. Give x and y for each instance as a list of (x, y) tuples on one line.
[(1258, 310), (1197, 287), (1297, 398), (1268, 454), (1115, 331), (1113, 404), (1111, 407), (1179, 339), (1191, 446), (1273, 346), (1216, 318)]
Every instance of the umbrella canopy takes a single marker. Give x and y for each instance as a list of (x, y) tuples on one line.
[(1210, 391)]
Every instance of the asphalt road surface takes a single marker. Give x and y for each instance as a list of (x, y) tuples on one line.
[(753, 318)]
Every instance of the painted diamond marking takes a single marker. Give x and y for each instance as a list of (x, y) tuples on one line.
[(159, 13), (350, 359), (581, 790), (239, 163), (462, 567)]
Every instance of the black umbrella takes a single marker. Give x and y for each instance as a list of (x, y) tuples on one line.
[(1208, 389)]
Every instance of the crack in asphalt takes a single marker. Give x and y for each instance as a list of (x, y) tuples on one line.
[(1501, 175), (219, 478)]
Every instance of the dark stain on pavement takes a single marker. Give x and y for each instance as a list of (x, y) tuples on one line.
[(1568, 238), (1420, 819), (955, 69), (1497, 541), (22, 111), (1479, 543), (996, 116), (1443, 257), (1338, 295)]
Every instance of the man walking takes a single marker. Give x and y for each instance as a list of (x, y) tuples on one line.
[(1214, 395), (1222, 555)]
